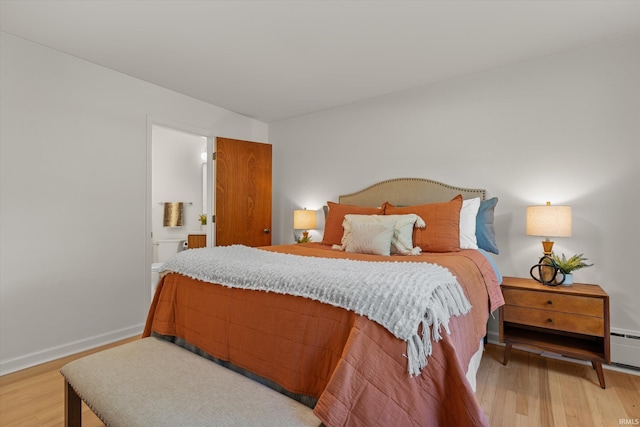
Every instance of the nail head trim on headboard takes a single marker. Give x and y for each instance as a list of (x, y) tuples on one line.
[(407, 192)]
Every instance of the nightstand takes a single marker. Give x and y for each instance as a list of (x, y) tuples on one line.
[(569, 320)]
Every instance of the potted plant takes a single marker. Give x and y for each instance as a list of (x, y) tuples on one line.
[(203, 221), (568, 265)]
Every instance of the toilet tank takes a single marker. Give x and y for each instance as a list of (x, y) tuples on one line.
[(163, 249)]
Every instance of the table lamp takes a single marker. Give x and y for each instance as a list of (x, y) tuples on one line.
[(548, 221), (303, 220)]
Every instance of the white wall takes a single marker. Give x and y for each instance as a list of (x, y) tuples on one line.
[(564, 129), (73, 200)]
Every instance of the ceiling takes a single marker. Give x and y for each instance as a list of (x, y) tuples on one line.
[(272, 60)]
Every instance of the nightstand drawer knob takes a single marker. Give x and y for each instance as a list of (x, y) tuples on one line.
[(549, 302), (549, 320)]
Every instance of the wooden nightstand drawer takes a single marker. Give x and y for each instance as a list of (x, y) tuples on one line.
[(556, 302), (556, 320)]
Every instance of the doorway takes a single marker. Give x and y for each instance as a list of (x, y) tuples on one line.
[(179, 185), (180, 171)]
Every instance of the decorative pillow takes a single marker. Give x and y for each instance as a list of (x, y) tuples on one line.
[(402, 239), (468, 215), (485, 230), (367, 237), (442, 233), (333, 225)]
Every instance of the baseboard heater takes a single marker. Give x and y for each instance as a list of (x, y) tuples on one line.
[(624, 366), (629, 341)]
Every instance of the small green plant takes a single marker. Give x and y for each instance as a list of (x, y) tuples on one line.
[(576, 262), (303, 239), (203, 219)]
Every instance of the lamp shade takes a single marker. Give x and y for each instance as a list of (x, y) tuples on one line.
[(549, 221), (304, 219)]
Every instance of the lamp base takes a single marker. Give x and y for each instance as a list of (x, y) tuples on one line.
[(547, 273)]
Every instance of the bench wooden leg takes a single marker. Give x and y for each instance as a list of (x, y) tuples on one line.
[(72, 407), (598, 367), (507, 353)]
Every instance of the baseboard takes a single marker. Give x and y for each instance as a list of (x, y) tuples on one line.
[(493, 337), (53, 353)]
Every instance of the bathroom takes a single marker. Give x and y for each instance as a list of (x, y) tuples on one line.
[(178, 175)]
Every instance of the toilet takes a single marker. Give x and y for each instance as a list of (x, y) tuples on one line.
[(155, 276), (163, 249)]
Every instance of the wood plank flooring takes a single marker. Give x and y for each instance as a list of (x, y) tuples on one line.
[(529, 391), (34, 397), (543, 392)]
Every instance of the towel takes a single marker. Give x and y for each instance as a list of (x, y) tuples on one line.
[(173, 214)]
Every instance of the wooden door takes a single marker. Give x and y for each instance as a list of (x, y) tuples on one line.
[(243, 193)]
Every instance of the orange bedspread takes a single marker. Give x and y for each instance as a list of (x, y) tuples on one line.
[(353, 366)]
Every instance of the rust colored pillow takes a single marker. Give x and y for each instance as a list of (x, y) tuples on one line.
[(333, 230), (442, 233)]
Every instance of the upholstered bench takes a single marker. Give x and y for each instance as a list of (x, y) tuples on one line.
[(152, 382)]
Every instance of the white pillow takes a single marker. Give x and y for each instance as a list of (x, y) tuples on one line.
[(402, 226), (402, 241), (468, 215), (369, 238)]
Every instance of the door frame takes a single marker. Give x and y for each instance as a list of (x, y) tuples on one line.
[(186, 128)]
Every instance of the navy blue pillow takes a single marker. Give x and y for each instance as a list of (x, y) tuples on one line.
[(485, 230)]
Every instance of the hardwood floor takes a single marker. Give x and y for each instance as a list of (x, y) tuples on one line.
[(529, 391), (538, 391), (34, 397)]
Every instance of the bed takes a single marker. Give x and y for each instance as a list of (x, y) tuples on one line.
[(353, 369)]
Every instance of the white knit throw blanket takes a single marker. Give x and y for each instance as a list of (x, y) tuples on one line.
[(398, 295)]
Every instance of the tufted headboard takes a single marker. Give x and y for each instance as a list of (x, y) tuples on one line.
[(407, 192)]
